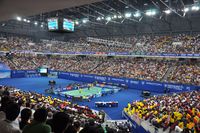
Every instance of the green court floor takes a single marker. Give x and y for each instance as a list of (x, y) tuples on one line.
[(85, 92)]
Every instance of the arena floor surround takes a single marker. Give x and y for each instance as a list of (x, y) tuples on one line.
[(40, 84)]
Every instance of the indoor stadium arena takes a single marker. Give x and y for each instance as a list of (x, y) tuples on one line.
[(99, 66)]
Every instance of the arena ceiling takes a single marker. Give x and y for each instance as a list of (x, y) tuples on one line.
[(12, 8), (177, 21), (106, 8)]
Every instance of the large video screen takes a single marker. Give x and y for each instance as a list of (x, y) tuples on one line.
[(53, 23), (4, 71), (68, 24), (5, 74), (43, 70)]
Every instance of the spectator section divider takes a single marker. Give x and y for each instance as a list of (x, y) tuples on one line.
[(126, 54), (136, 124)]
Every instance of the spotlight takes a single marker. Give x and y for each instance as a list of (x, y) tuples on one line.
[(119, 16), (24, 20), (102, 17), (76, 22), (186, 9), (99, 18), (115, 16), (150, 13), (108, 18), (41, 25), (28, 21), (85, 20), (137, 14), (195, 8), (167, 11), (36, 23), (127, 15), (153, 13), (19, 18)]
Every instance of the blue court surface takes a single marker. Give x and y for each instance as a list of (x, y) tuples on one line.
[(40, 84)]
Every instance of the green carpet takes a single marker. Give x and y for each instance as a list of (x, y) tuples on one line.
[(85, 92)]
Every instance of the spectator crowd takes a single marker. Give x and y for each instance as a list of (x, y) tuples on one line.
[(144, 69), (176, 44), (179, 112), (30, 112)]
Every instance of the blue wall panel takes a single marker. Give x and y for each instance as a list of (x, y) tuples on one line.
[(131, 83)]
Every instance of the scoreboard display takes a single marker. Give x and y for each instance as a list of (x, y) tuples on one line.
[(58, 24), (53, 24), (43, 71), (68, 24)]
